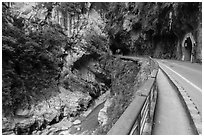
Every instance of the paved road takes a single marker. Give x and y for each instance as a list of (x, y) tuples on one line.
[(188, 75), (170, 115), (175, 120)]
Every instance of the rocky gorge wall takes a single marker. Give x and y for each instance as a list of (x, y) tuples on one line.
[(82, 107)]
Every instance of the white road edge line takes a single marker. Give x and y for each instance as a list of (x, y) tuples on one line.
[(183, 78)]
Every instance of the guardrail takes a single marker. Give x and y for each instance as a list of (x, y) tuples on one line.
[(138, 117)]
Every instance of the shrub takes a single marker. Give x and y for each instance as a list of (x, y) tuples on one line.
[(31, 60)]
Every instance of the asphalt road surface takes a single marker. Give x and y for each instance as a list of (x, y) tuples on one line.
[(170, 115), (188, 75)]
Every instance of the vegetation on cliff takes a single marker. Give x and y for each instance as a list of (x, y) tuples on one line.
[(35, 49), (31, 60)]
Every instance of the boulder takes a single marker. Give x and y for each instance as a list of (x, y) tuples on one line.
[(34, 132), (25, 123), (78, 128), (26, 112), (77, 122), (50, 115), (102, 115), (8, 133), (66, 111), (67, 132), (63, 124), (7, 124), (108, 103)]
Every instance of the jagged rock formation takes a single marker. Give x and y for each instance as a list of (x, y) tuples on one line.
[(75, 95), (52, 108), (74, 110)]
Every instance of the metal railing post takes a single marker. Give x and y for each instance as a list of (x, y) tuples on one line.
[(149, 107), (139, 123)]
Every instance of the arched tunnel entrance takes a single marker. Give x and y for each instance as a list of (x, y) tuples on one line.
[(187, 50)]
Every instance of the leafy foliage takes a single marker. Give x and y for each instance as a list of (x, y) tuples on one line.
[(32, 46), (31, 60)]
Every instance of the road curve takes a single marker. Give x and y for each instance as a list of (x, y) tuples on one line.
[(170, 114), (188, 75)]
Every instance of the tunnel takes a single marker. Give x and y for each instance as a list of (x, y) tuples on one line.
[(187, 49)]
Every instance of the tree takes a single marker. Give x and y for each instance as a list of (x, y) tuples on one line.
[(31, 59)]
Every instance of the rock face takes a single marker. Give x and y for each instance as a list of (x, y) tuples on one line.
[(51, 109), (54, 112), (60, 128), (51, 106), (102, 115)]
